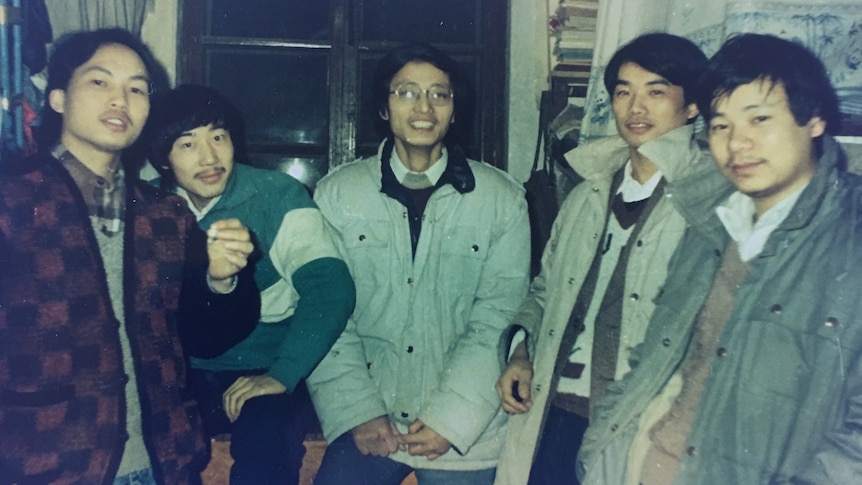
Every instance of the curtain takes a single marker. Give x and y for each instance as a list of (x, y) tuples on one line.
[(830, 28), (74, 15)]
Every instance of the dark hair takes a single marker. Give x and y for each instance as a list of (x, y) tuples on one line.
[(745, 58), (399, 57), (185, 108), (72, 51), (674, 58)]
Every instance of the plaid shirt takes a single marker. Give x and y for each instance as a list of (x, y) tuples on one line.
[(105, 199)]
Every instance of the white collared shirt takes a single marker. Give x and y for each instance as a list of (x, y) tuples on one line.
[(199, 214), (737, 216), (632, 190), (434, 172)]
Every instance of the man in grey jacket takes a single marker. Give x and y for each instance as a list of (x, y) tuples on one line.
[(750, 370), (605, 261)]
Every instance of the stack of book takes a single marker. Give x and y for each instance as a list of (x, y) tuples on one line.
[(574, 39)]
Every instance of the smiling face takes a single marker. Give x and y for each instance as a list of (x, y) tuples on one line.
[(647, 105), (419, 125), (202, 161), (758, 145), (105, 104)]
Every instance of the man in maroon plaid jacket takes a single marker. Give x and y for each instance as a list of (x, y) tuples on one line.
[(104, 284)]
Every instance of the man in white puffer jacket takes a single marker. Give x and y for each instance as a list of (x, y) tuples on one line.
[(440, 267)]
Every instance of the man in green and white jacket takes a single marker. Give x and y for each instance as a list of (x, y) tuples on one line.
[(255, 390)]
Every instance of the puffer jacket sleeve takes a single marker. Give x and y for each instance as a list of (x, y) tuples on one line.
[(343, 392)]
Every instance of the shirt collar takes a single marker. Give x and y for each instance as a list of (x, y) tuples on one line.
[(199, 214), (632, 190), (737, 216), (434, 172), (105, 199)]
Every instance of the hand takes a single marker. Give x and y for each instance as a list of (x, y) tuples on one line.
[(516, 377), (245, 388), (228, 247), (424, 441), (378, 437)]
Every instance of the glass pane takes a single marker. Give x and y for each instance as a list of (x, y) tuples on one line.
[(308, 170), (368, 133), (294, 19), (446, 21), (282, 94)]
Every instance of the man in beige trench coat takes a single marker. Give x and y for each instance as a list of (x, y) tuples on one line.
[(605, 262)]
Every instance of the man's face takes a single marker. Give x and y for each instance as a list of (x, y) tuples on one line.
[(202, 161), (647, 105), (105, 104), (419, 124), (758, 145)]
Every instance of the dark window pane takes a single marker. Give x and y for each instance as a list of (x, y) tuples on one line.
[(293, 19), (442, 21), (370, 129), (282, 95), (308, 170)]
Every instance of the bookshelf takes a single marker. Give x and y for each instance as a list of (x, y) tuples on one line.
[(573, 38)]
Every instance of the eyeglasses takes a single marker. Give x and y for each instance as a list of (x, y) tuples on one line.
[(410, 93)]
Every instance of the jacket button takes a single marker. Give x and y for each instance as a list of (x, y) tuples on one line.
[(404, 215), (404, 415), (831, 322), (639, 243), (595, 235), (776, 309), (362, 237), (538, 387), (409, 349), (666, 342), (571, 281), (410, 280), (551, 332), (595, 189), (614, 428), (721, 352), (368, 365), (634, 297), (717, 253), (475, 248), (691, 451)]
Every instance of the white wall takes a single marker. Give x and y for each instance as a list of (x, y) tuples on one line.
[(160, 33), (528, 77)]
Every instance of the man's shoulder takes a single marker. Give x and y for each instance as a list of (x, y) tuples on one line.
[(19, 166), (353, 173), (155, 200), (249, 175), (490, 177), (264, 186)]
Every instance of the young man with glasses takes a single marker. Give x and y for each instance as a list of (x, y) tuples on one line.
[(439, 248), (606, 260)]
